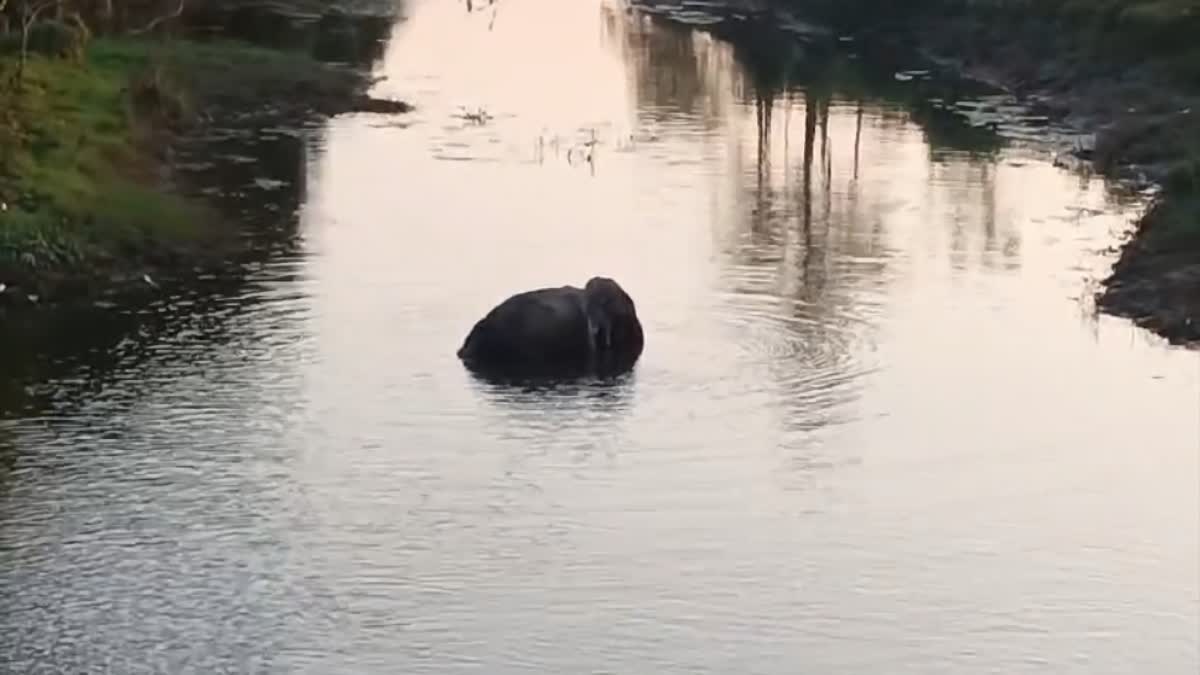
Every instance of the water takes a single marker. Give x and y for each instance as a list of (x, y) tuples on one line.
[(875, 428)]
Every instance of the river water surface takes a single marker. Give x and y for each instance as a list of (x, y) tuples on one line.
[(876, 427)]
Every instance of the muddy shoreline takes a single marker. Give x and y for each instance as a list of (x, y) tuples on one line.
[(1131, 116), (1128, 117), (1118, 119)]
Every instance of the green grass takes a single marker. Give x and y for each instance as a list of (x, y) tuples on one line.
[(78, 170), (74, 174)]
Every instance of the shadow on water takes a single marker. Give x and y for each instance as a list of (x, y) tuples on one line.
[(520, 387), (8, 460), (347, 32), (64, 357), (258, 179), (255, 175), (607, 380), (557, 405), (253, 168), (58, 358)]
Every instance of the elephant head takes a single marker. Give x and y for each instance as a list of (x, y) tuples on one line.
[(613, 326)]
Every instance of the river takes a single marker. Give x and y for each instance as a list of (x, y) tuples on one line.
[(877, 426)]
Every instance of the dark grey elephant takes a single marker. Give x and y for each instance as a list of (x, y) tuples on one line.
[(561, 330)]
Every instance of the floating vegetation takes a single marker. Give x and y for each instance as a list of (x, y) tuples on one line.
[(478, 116)]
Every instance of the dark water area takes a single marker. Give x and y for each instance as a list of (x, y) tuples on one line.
[(877, 425), (354, 33)]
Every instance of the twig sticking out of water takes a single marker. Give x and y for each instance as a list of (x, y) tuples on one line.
[(586, 150), (479, 116), (491, 3)]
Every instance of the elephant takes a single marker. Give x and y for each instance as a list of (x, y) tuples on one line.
[(558, 331)]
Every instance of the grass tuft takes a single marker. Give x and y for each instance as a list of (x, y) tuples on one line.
[(81, 141), (74, 175)]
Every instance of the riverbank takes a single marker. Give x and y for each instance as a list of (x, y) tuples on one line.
[(1125, 74), (90, 194), (1129, 76)]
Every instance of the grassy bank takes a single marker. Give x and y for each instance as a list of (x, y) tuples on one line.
[(78, 177), (1126, 70), (88, 196)]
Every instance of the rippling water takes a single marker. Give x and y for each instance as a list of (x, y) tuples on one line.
[(875, 429)]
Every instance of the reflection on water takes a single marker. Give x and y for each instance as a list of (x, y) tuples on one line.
[(350, 31), (873, 427)]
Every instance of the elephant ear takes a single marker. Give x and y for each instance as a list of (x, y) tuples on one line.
[(627, 333)]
